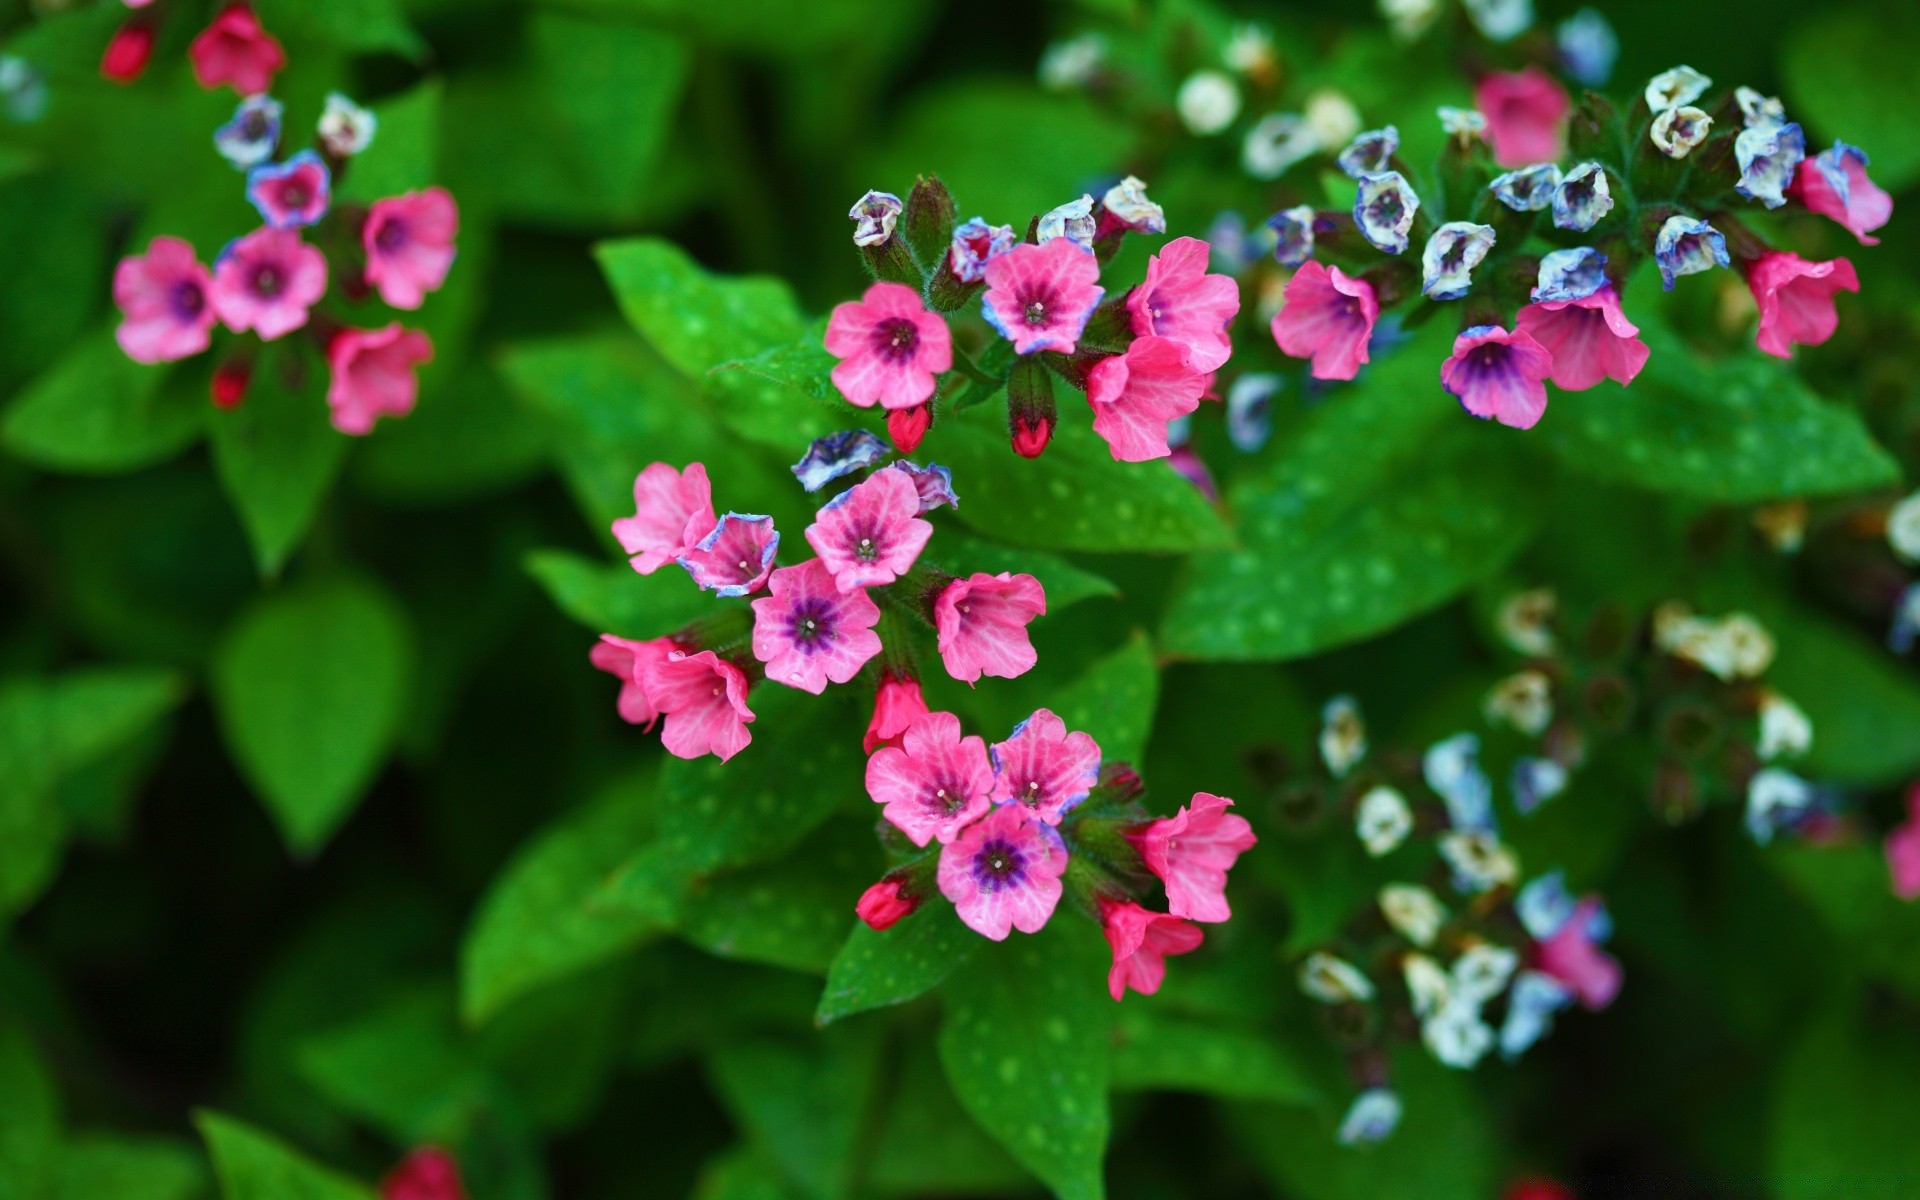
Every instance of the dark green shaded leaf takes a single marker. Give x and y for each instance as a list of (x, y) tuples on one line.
[(805, 1102), (277, 454), (1114, 701), (1852, 890), (1155, 1051), (1849, 75), (792, 913), (1864, 705), (876, 968), (98, 410), (360, 26), (252, 1165), (112, 1167), (404, 155), (1843, 1106)]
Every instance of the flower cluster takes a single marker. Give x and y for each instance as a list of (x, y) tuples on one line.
[(270, 283), (814, 622), (1144, 358), (234, 50), (1022, 822)]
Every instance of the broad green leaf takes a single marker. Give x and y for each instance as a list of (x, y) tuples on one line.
[(791, 913), (805, 1102), (1073, 497), (535, 924), (1842, 1108), (784, 397), (405, 152), (99, 411), (1849, 75), (1852, 890), (29, 1119), (277, 454), (252, 1165), (114, 1167), (694, 319), (1114, 701), (359, 26), (1736, 431), (400, 1068), (1065, 584), (929, 1145), (1025, 1043), (1159, 1052), (1388, 502), (617, 599), (876, 968), (1864, 705), (310, 688), (744, 1173), (54, 264)]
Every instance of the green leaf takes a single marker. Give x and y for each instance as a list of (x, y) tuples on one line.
[(29, 1119), (805, 1102), (467, 439), (1849, 75), (929, 1146), (277, 454), (252, 1165), (310, 689), (1864, 705), (1114, 701), (1158, 1052), (694, 319), (743, 1173), (360, 26), (1851, 889), (761, 26), (1024, 1040), (405, 152), (1737, 431), (113, 1167), (99, 411), (535, 924), (1064, 583), (791, 913), (399, 1067), (784, 397), (618, 599), (1073, 497), (1388, 503), (1842, 1110), (877, 968)]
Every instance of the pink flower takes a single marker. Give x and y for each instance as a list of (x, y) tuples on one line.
[(982, 624), (882, 905), (1141, 942), (373, 375), (736, 555), (889, 346), (1796, 299), (1499, 374), (1134, 395), (1003, 871), (704, 700), (236, 50), (164, 296), (1589, 339), (1044, 768), (1903, 850), (128, 52), (628, 661), (291, 194), (1328, 317), (1574, 957), (428, 1173), (672, 513), (409, 244), (935, 782), (895, 705), (870, 534), (266, 282), (1526, 114), (1835, 184), (808, 632), (1040, 297), (1181, 301), (1192, 851)]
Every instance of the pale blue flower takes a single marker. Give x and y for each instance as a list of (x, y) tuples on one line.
[(1768, 155), (1384, 210), (1572, 274), (1528, 189), (1687, 246), (1454, 250), (1583, 198)]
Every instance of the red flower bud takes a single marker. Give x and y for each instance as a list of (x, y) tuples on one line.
[(426, 1174), (895, 706), (885, 903), (128, 52), (906, 426), (1031, 435), (230, 381)]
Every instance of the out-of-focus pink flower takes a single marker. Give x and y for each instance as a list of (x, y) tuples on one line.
[(1903, 850), (673, 511), (1589, 339), (1328, 317), (891, 349), (128, 52), (266, 282), (236, 50), (1179, 300), (409, 244), (1796, 299), (1134, 396), (428, 1173), (373, 375), (1526, 114), (1141, 942), (1574, 957), (1834, 184), (627, 661), (982, 624), (1192, 851), (704, 700), (1499, 374), (164, 294)]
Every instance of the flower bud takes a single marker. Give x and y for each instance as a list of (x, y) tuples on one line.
[(883, 904), (1591, 131), (127, 54), (230, 381), (929, 221), (1030, 410), (906, 426)]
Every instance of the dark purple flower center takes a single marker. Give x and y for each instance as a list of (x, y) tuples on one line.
[(188, 299), (867, 545), (1154, 310), (267, 279), (1386, 208), (253, 126), (810, 625), (293, 194), (896, 339), (999, 864), (391, 235), (1030, 792), (1036, 303), (1578, 191), (945, 796)]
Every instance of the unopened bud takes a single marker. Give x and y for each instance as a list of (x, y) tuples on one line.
[(230, 381), (929, 222), (1030, 411), (906, 426), (129, 51)]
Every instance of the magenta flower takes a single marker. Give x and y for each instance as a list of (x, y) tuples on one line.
[(1573, 956), (291, 194), (735, 557), (896, 704), (1141, 942), (1499, 374), (982, 625), (870, 534), (1796, 299), (164, 294), (1040, 297), (882, 905), (1134, 395), (704, 700), (1328, 317), (1044, 768), (1903, 850), (1834, 184), (266, 282), (628, 661), (373, 375), (808, 632), (672, 513), (1192, 851), (1588, 339), (1526, 114), (935, 782), (891, 349), (236, 50), (1003, 871), (409, 244), (1179, 300)]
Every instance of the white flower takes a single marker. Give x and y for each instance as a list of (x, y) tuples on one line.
[(1333, 980), (1343, 735), (1382, 820), (1756, 109), (1453, 251), (1072, 220), (1671, 89), (1072, 63), (1331, 117), (1482, 971), (1428, 985), (1749, 646), (1127, 200), (1785, 731), (1457, 1036), (1413, 911), (1544, 905), (1501, 20), (1452, 769), (1525, 621), (1678, 131), (1275, 143), (1479, 860), (1734, 647), (345, 128), (1250, 49), (1208, 102), (1903, 529), (1463, 123), (874, 216), (1409, 18), (1523, 700), (1775, 800), (1371, 1117)]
